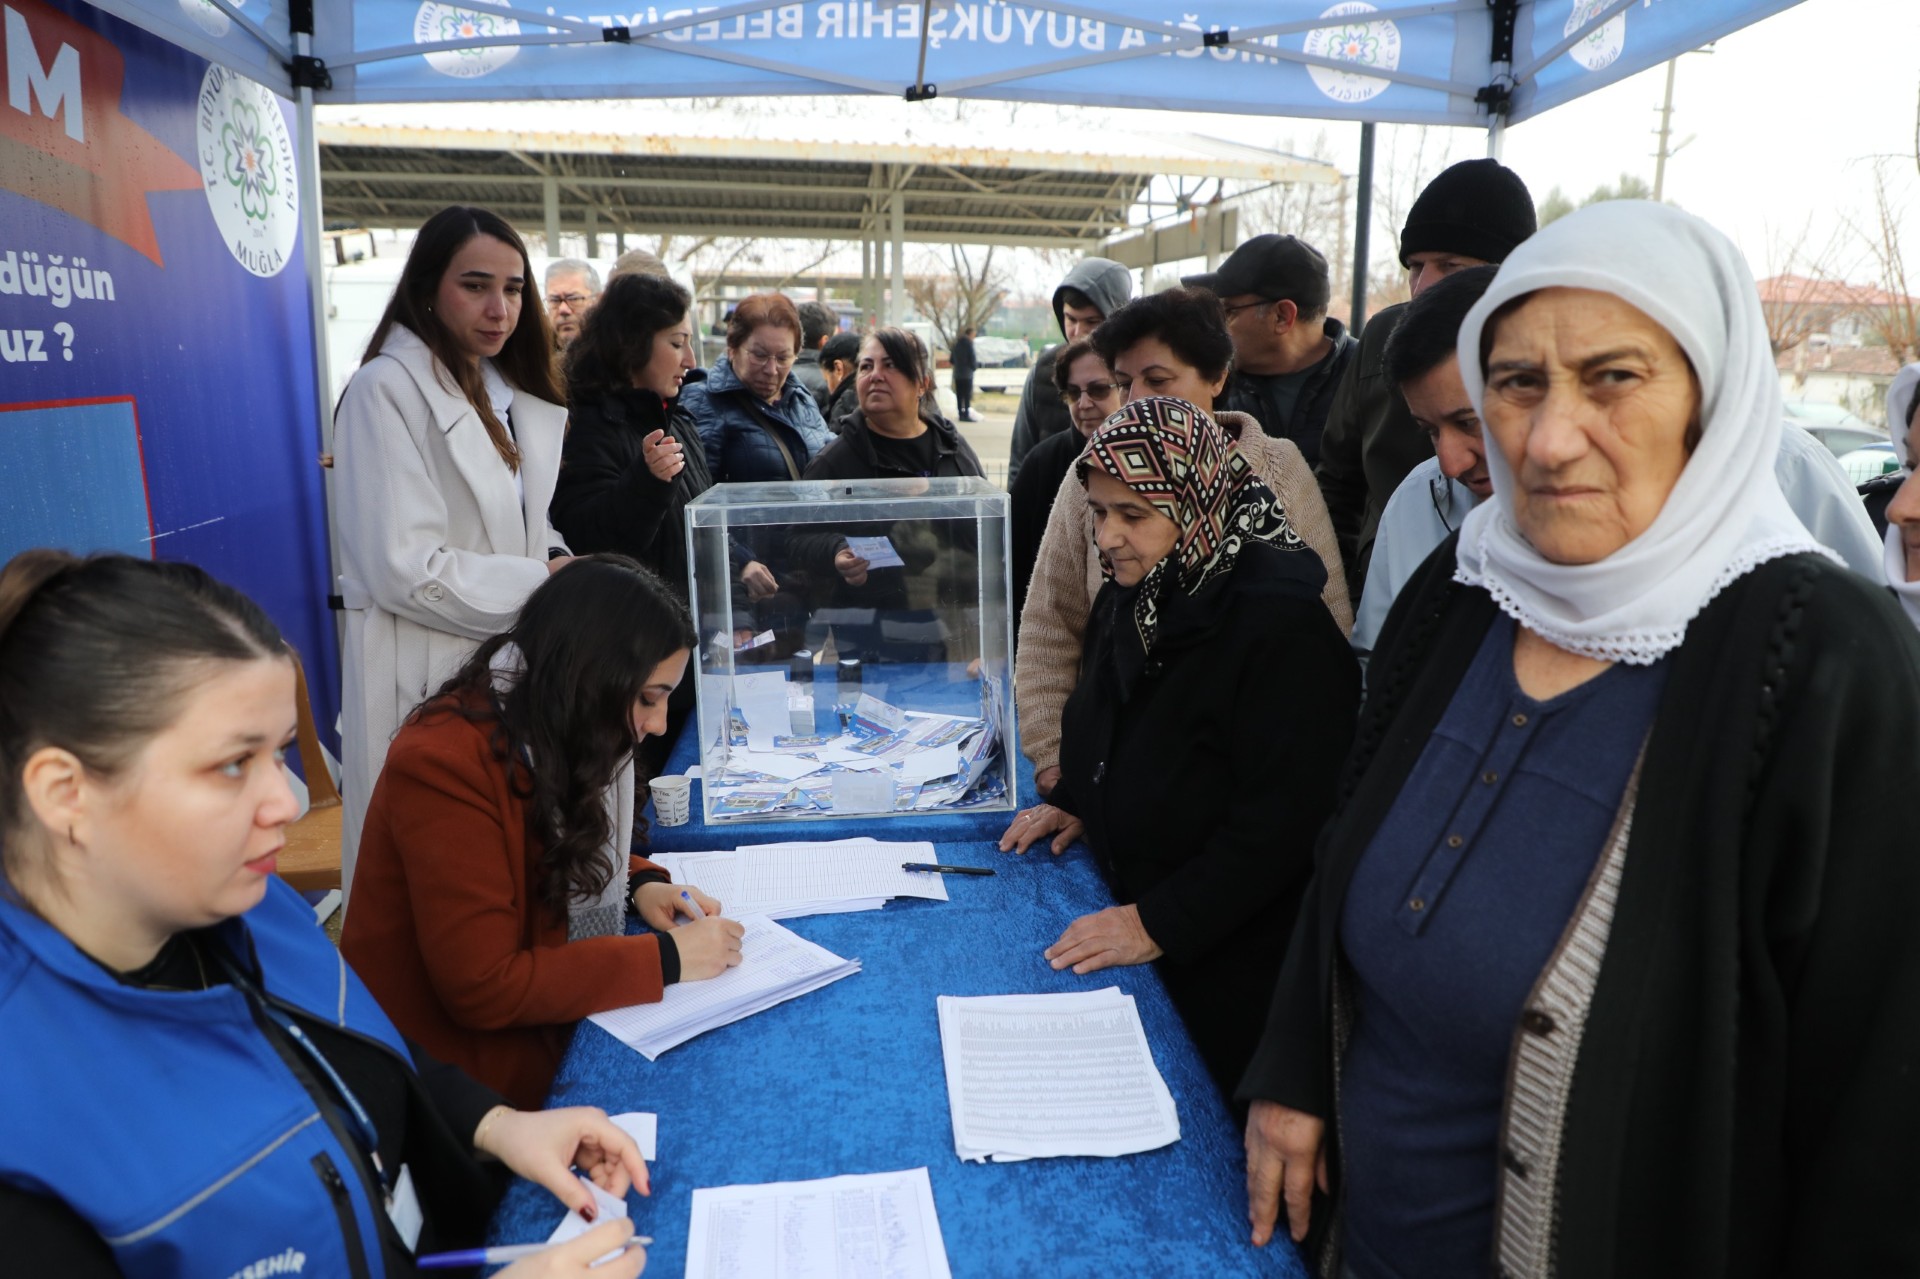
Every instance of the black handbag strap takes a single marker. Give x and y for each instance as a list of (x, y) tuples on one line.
[(766, 423)]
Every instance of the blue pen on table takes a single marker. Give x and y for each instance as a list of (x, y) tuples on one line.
[(502, 1256), (937, 868), (692, 905)]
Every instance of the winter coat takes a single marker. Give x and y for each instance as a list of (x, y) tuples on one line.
[(963, 358), (1203, 785), (1042, 412), (1308, 420), (437, 549), (1742, 1099), (806, 368), (738, 429)]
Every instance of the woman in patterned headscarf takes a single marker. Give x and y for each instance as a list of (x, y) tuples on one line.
[(1215, 691)]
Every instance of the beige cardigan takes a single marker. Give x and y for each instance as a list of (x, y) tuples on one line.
[(1067, 576)]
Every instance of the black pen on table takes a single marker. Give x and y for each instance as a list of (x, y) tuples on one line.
[(941, 868)]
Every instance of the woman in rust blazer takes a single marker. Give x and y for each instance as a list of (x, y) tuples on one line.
[(489, 905)]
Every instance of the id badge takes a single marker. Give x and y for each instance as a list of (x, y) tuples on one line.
[(403, 1208)]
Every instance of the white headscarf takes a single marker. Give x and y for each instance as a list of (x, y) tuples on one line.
[(1726, 514), (1899, 400)]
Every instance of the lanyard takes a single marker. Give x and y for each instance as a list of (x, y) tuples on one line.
[(365, 1135)]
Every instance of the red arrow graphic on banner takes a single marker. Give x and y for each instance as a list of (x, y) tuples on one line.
[(63, 140)]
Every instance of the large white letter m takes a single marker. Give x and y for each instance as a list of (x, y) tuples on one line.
[(57, 87)]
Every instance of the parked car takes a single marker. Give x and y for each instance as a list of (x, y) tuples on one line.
[(1002, 353), (1870, 461), (1842, 432)]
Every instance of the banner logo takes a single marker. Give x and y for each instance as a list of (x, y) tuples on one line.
[(210, 17), (247, 168), (1368, 44), (440, 22), (1598, 49), (63, 141)]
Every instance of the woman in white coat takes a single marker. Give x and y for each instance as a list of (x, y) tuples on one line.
[(446, 450)]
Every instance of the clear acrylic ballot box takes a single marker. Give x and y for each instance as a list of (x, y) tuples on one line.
[(856, 648)]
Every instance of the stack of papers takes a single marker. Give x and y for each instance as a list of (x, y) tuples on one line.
[(1035, 1076), (863, 1227), (775, 965), (881, 759), (782, 881)]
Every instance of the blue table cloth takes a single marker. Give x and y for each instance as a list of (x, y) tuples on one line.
[(849, 1079)]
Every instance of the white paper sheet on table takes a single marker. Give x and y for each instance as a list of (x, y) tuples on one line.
[(878, 552), (1039, 1076), (776, 965), (786, 880), (853, 1227)]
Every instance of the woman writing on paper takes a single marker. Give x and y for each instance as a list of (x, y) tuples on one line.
[(496, 874), (446, 446), (273, 1112), (1212, 672)]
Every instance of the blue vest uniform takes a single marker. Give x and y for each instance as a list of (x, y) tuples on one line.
[(170, 1121)]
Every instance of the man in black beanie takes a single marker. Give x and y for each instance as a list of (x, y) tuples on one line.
[(1473, 214)]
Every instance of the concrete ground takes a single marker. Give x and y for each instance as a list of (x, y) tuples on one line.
[(993, 433)]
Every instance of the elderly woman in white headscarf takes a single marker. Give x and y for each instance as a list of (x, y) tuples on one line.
[(1903, 512), (1610, 946)]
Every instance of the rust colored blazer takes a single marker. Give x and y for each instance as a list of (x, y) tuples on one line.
[(447, 932)]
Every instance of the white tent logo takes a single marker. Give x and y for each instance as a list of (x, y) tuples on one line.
[(1598, 49), (437, 23), (246, 167), (1370, 44), (211, 18)]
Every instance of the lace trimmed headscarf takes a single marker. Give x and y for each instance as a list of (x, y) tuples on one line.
[(1726, 514)]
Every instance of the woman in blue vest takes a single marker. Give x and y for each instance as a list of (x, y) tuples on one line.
[(194, 1084)]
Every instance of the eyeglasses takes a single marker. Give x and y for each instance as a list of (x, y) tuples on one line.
[(572, 300), (1232, 311), (1093, 390), (782, 360)]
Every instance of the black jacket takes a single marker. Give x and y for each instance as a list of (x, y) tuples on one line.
[(851, 457), (806, 367), (606, 498), (1032, 502), (962, 356), (1744, 1099), (1369, 445), (1309, 416), (1203, 785)]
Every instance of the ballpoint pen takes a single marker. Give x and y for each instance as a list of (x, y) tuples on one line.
[(950, 870)]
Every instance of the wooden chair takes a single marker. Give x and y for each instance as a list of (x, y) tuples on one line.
[(311, 859)]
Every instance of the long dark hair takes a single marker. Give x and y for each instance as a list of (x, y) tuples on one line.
[(588, 638), (98, 654), (527, 357), (616, 338)]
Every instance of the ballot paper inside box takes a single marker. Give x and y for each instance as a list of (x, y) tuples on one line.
[(876, 675)]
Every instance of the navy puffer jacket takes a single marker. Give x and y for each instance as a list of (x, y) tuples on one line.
[(738, 429)]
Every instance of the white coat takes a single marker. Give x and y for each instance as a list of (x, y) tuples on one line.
[(437, 550)]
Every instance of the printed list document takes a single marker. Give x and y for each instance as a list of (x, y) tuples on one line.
[(775, 965), (1035, 1076), (878, 1226)]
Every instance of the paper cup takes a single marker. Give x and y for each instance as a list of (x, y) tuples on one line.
[(672, 800)]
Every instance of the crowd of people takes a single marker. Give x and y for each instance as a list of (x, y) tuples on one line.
[(1491, 725)]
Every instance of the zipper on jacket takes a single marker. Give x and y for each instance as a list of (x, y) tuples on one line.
[(343, 1212)]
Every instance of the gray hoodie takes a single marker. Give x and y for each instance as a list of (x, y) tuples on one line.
[(1109, 286)]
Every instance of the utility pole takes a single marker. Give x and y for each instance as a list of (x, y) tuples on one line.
[(1665, 132)]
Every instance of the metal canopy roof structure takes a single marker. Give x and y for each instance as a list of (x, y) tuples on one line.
[(944, 184)]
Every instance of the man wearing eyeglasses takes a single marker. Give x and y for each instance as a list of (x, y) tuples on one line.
[(1288, 353), (573, 287)]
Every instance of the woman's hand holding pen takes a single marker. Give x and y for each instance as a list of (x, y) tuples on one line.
[(544, 1146)]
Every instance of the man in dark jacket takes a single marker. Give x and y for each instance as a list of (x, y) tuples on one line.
[(964, 363), (1092, 291), (1288, 353), (838, 360), (1473, 214), (817, 324)]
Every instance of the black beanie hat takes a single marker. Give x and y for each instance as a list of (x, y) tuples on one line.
[(1478, 208)]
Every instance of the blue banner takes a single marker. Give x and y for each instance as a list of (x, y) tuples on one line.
[(156, 359)]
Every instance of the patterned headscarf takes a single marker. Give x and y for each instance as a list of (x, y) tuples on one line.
[(1180, 460)]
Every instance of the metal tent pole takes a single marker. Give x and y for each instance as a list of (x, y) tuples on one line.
[(1362, 228), (312, 235), (897, 297)]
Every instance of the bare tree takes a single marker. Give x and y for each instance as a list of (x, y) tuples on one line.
[(1894, 316), (1802, 290), (963, 297)]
